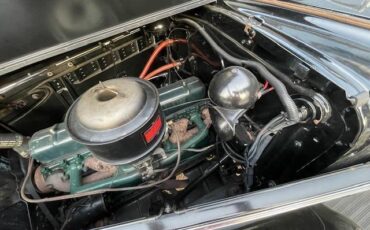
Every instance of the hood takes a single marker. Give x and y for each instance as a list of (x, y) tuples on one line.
[(359, 8), (31, 31)]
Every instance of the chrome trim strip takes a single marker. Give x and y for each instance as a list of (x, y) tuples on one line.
[(243, 209)]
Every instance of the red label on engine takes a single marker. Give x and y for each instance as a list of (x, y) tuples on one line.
[(153, 130)]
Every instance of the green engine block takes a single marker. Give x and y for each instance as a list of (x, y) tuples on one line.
[(56, 151)]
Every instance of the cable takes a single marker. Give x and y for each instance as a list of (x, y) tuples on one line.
[(264, 137), (98, 191), (197, 51), (253, 123), (157, 50), (162, 69), (230, 155), (263, 92), (280, 88), (276, 120), (242, 19), (162, 75), (231, 151), (200, 149)]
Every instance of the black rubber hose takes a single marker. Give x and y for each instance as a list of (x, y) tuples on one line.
[(281, 91), (298, 88)]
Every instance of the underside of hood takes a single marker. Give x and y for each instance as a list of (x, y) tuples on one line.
[(33, 31)]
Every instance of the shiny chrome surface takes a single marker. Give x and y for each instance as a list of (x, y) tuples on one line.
[(234, 88), (355, 7), (237, 211), (116, 116), (110, 104), (225, 120), (338, 51)]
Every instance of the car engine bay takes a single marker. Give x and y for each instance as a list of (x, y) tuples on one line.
[(187, 110)]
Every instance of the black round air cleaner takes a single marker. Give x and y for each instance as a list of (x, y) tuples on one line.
[(119, 120)]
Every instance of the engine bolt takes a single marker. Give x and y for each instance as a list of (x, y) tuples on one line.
[(36, 96), (298, 144)]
